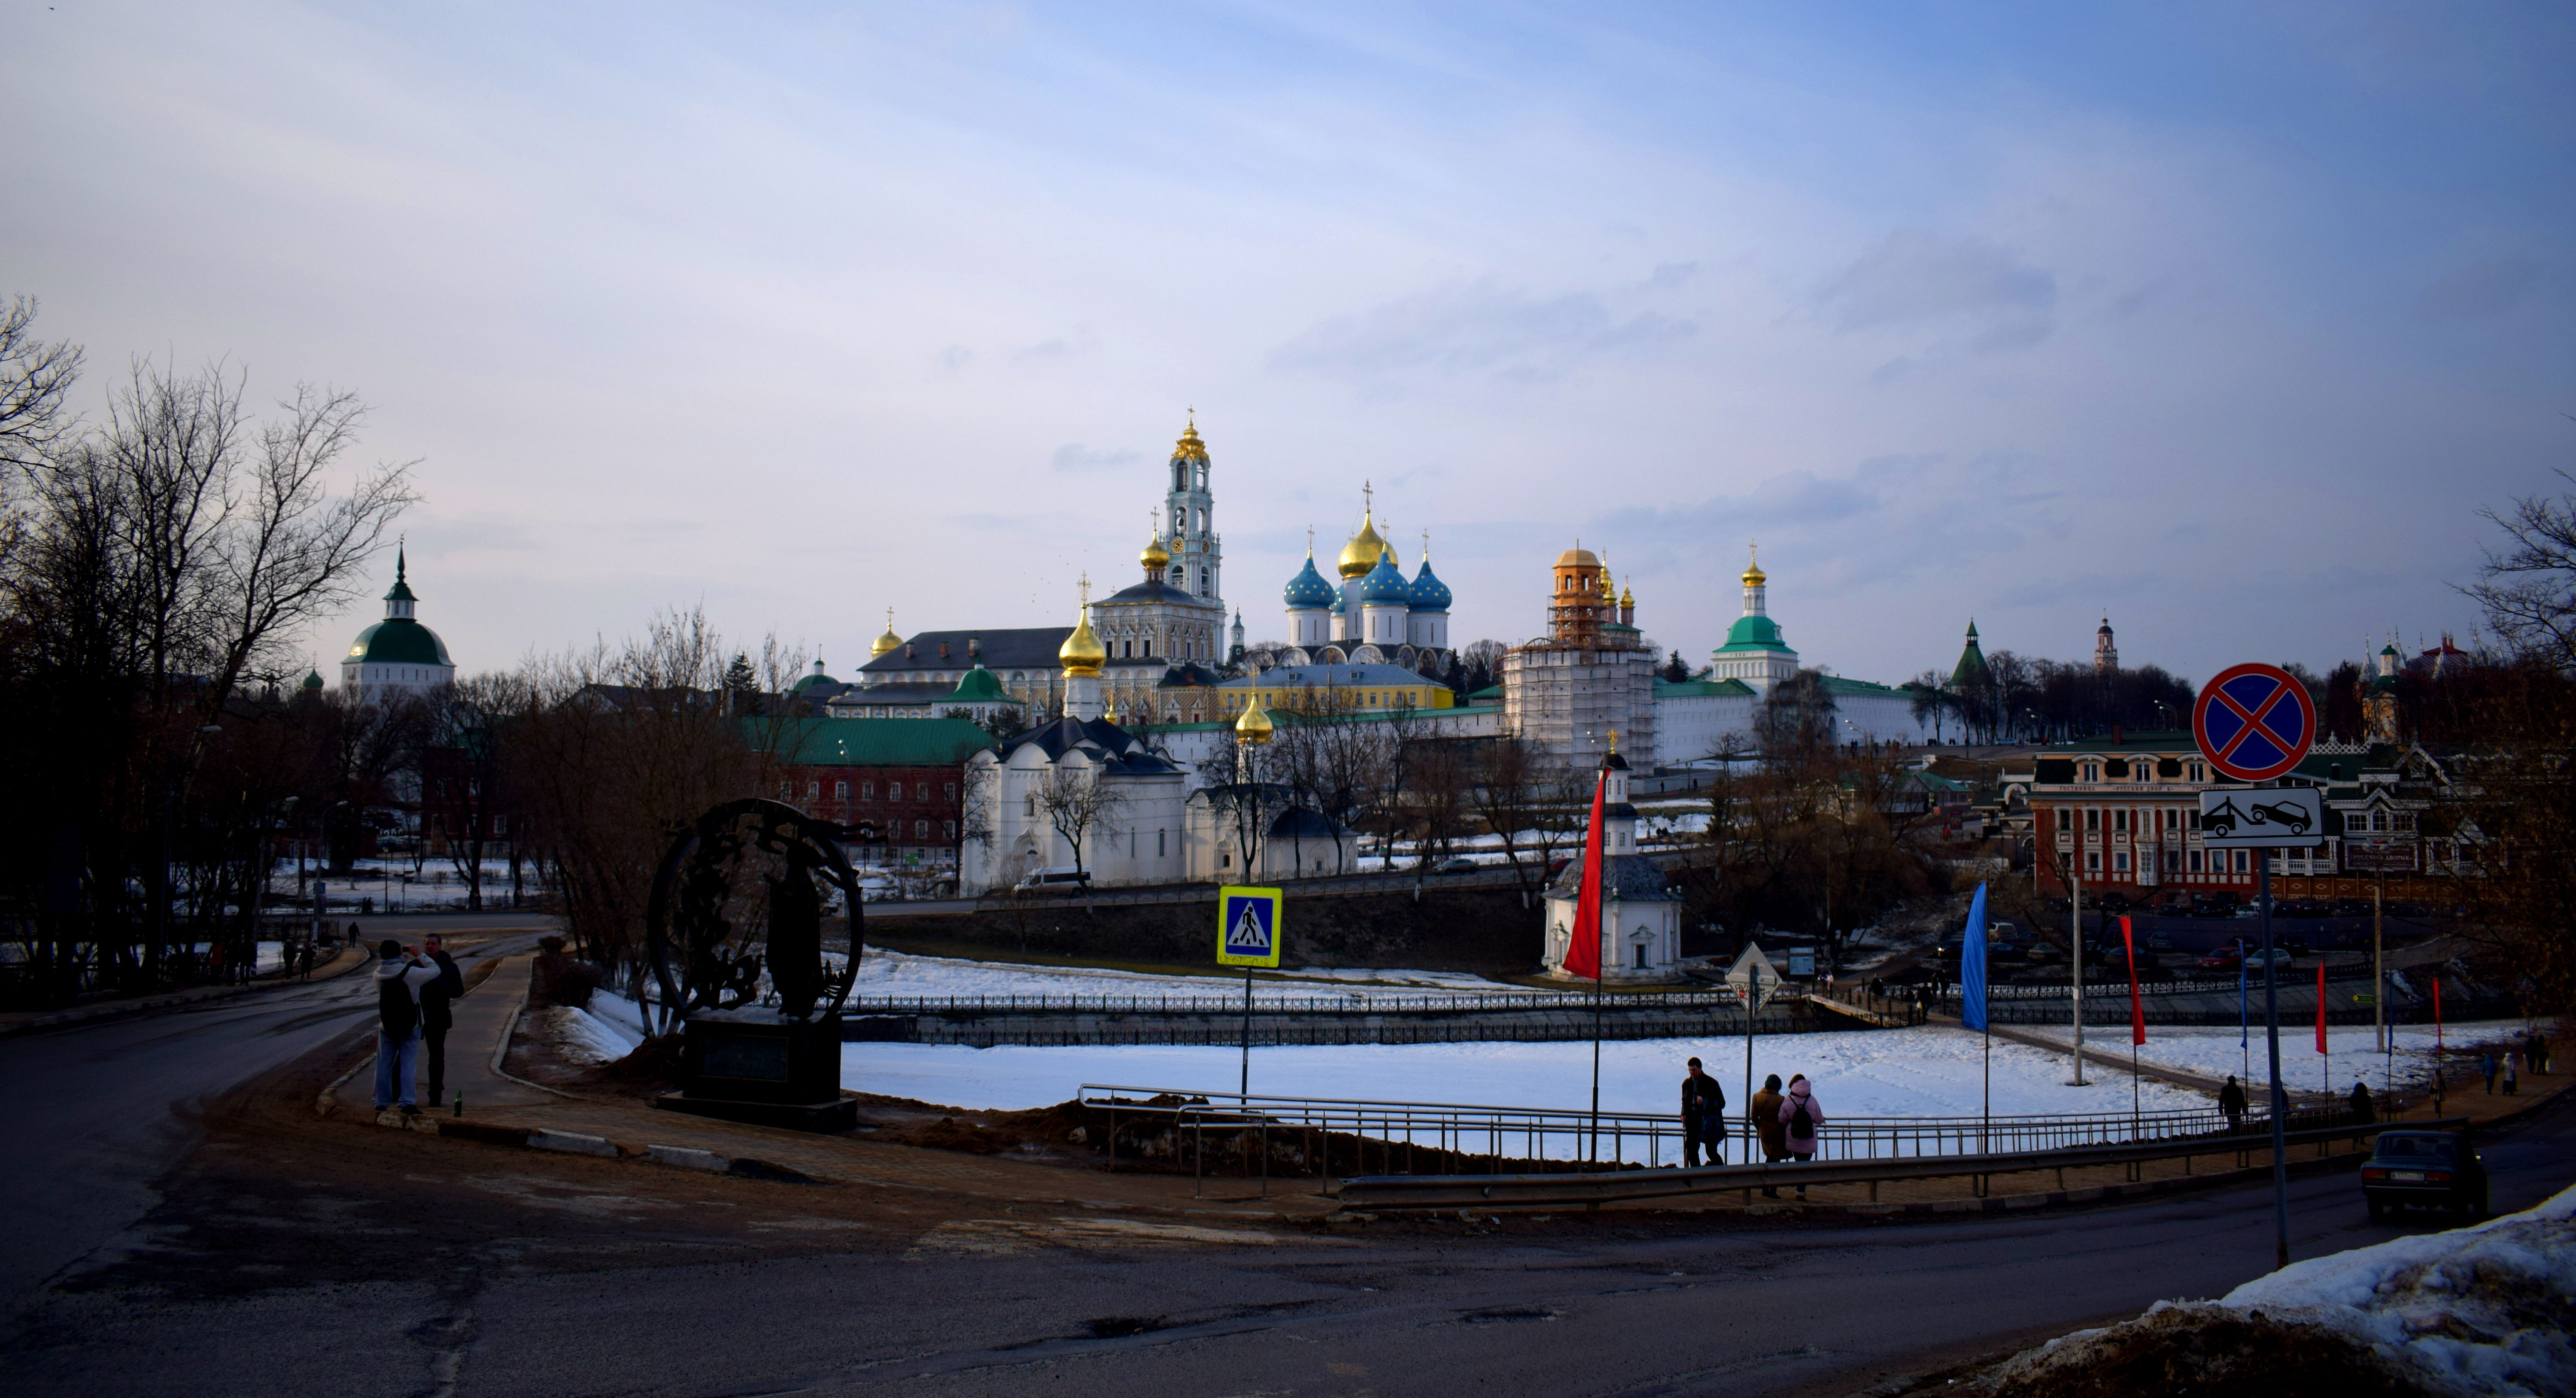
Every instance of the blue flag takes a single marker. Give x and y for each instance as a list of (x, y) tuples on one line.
[(1972, 964)]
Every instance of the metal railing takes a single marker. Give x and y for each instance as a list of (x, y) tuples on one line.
[(1466, 1138), (1356, 1002)]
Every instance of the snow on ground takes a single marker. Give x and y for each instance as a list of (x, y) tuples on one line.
[(607, 1031), (893, 973), (2215, 1053), (1862, 1073), (2480, 1309)]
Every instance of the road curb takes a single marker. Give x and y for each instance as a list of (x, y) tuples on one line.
[(599, 1147), (201, 995)]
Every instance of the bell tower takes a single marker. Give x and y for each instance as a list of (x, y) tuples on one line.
[(1189, 517)]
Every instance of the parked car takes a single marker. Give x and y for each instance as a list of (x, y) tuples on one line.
[(2226, 958), (1455, 864), (2115, 903), (2254, 957), (2303, 907), (2431, 1168), (2351, 907), (2221, 904)]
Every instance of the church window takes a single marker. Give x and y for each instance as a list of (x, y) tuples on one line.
[(1159, 850), (948, 830), (867, 791), (840, 791), (949, 790), (2093, 861), (922, 791), (921, 830)]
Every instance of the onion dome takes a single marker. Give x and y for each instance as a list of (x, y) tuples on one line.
[(1155, 555), (1383, 584), (1753, 569), (1428, 592), (887, 642), (1308, 588), (1254, 726), (980, 686), (1190, 448), (1082, 653), (313, 681), (1364, 550), (1627, 598), (815, 680)]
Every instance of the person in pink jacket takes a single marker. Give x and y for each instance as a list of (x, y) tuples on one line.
[(1800, 1113)]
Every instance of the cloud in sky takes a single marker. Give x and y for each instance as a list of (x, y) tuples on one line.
[(809, 312)]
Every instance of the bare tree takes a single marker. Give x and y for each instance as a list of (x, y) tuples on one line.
[(2528, 588), (1527, 802), (1077, 803), (34, 376)]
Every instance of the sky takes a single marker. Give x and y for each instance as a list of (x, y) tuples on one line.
[(2222, 320)]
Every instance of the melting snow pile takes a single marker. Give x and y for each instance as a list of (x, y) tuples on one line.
[(604, 1033), (2479, 1312)]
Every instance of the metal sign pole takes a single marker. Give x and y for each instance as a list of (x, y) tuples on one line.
[(2075, 882), (2272, 1045)]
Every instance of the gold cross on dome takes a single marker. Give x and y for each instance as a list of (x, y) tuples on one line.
[(1086, 588)]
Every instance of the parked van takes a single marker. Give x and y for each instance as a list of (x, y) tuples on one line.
[(1063, 879)]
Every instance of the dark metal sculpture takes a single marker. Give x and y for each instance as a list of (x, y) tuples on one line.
[(707, 946)]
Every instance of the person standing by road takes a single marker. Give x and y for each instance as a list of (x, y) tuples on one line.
[(1703, 1118), (1764, 1109), (435, 1016), (2231, 1100), (2487, 1064), (2363, 1112), (399, 978), (2512, 1074), (1803, 1116)]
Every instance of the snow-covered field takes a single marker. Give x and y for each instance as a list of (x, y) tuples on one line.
[(894, 973), (2215, 1053), (1881, 1073)]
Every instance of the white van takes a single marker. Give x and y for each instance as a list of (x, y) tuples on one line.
[(1064, 879)]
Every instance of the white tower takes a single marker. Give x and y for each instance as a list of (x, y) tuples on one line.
[(1189, 512)]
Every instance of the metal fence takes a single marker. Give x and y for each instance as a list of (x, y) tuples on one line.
[(1395, 1137)]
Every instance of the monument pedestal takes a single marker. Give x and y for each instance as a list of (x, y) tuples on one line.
[(755, 1066)]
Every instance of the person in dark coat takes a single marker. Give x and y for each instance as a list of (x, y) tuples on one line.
[(1703, 1118), (2231, 1100), (1765, 1111), (2363, 1113), (2487, 1064), (436, 1017)]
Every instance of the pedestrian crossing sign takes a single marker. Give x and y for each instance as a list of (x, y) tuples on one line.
[(1247, 930)]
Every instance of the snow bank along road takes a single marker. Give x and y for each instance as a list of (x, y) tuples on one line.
[(330, 1258)]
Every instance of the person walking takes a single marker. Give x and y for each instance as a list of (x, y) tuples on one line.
[(2535, 1051), (1703, 1118), (2231, 1100), (2512, 1074), (1803, 1116), (436, 1018), (2363, 1112), (399, 978), (2487, 1063), (1765, 1112)]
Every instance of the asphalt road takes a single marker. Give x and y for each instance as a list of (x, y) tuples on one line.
[(284, 1258), (96, 1114)]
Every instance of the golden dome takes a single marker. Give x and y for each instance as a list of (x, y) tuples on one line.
[(1155, 555), (1361, 553), (1082, 653), (1753, 570), (1627, 598), (1577, 558), (1253, 726), (1190, 448), (888, 641)]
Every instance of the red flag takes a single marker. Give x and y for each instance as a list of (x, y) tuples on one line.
[(2437, 1014), (2321, 1007), (2137, 1015), (1583, 939)]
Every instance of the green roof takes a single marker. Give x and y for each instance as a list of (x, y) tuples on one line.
[(1971, 669), (399, 640), (979, 687), (1859, 689), (872, 742), (1491, 692), (1754, 632), (1691, 689)]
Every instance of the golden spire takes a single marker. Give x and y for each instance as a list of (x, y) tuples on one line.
[(1190, 446), (1155, 555), (1361, 553), (1753, 567), (1614, 740), (1254, 726), (1082, 654), (888, 641)]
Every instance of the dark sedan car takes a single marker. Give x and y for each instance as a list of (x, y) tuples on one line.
[(2432, 1168)]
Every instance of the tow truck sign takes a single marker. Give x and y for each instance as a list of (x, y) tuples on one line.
[(2261, 817)]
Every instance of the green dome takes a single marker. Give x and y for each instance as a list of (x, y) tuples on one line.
[(979, 687), (399, 640), (1754, 633)]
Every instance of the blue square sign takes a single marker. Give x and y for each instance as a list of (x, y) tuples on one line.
[(1247, 931)]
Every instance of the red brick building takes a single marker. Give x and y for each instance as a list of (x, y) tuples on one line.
[(901, 776)]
